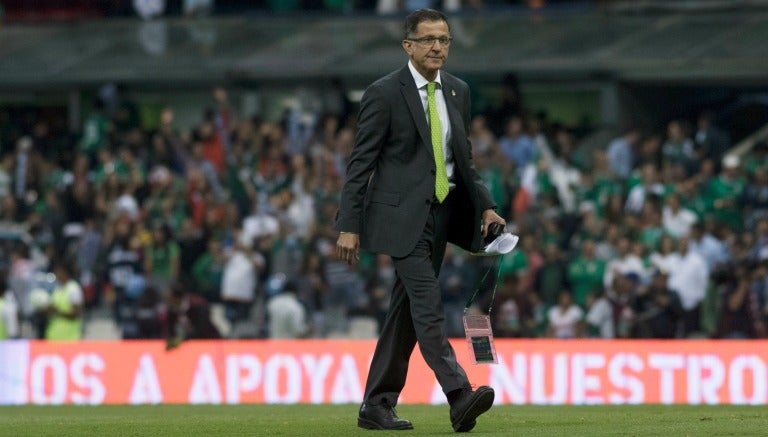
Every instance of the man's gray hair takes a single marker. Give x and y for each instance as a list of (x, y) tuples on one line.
[(419, 16)]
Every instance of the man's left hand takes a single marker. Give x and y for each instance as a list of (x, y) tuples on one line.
[(490, 216)]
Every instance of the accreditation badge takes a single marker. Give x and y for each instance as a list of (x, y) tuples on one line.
[(480, 339)]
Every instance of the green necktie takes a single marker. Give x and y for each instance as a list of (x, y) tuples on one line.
[(441, 177)]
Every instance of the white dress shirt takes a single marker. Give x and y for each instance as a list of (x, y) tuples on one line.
[(442, 112), (690, 278), (564, 323), (678, 223), (287, 317), (9, 314), (600, 315), (239, 278)]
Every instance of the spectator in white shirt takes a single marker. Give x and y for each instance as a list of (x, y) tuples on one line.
[(239, 280), (287, 316), (667, 256), (689, 277), (565, 318), (676, 219), (599, 317), (9, 314), (625, 262)]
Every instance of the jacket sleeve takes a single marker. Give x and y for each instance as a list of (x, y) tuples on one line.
[(373, 129)]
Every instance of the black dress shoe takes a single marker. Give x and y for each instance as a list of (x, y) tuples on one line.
[(381, 416), (469, 405)]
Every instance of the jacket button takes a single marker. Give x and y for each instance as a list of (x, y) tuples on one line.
[(433, 171), (428, 201)]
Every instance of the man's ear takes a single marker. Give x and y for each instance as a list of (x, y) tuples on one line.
[(407, 46)]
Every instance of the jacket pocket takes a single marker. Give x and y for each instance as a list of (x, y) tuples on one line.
[(385, 197)]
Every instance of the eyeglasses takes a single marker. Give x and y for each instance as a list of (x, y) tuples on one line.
[(429, 41)]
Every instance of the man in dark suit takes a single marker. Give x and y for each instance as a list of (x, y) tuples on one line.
[(411, 188)]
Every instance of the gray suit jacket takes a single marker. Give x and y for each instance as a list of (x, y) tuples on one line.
[(390, 180)]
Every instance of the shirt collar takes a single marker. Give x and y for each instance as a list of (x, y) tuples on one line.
[(421, 81)]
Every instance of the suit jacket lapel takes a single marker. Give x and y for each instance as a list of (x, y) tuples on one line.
[(412, 98)]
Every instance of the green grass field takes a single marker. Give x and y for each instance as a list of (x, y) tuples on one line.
[(305, 420)]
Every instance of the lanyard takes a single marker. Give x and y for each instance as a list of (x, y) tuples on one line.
[(497, 264)]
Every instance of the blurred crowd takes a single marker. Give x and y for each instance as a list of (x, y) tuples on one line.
[(657, 234)]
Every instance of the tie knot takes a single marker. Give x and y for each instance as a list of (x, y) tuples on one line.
[(431, 87)]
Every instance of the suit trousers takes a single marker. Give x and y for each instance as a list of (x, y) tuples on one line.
[(416, 316)]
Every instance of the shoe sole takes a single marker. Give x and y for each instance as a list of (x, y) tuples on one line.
[(369, 424), (482, 403)]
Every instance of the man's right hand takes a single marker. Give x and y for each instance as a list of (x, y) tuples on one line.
[(348, 247)]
